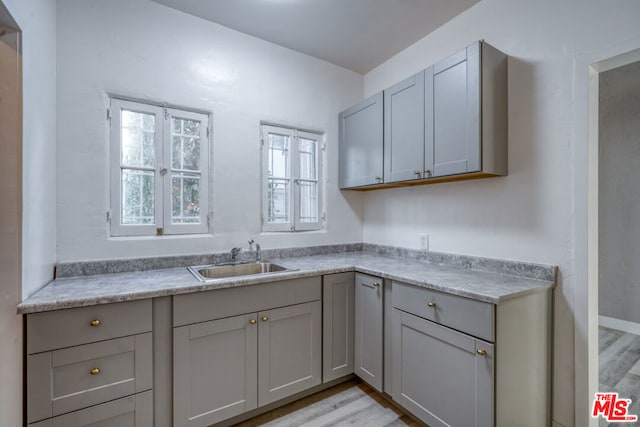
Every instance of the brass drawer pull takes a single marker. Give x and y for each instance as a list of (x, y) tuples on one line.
[(94, 371), (252, 321), (376, 284), (431, 304), (95, 322), (481, 352), (265, 318)]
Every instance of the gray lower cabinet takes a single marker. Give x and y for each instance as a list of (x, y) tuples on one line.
[(462, 362), (91, 366), (337, 325), (289, 351), (361, 144), (442, 376), (368, 336), (131, 411), (215, 373), (256, 354)]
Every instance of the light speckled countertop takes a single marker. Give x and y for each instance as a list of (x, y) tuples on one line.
[(484, 286)]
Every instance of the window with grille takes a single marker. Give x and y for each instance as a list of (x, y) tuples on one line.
[(159, 170), (292, 179)]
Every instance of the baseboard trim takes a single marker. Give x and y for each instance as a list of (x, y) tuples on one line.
[(619, 324)]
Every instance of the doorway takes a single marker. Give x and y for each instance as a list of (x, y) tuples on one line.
[(618, 232)]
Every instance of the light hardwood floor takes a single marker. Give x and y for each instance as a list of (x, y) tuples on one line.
[(349, 404), (619, 367)]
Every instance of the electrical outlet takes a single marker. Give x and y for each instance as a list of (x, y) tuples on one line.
[(424, 241)]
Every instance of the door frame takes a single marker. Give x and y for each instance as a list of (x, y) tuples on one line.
[(586, 235)]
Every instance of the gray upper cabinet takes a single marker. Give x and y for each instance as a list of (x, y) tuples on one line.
[(445, 123), (361, 144), (369, 330), (337, 325), (404, 129), (453, 139), (466, 113)]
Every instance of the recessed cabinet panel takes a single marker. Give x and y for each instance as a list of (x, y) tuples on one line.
[(289, 351), (215, 370), (369, 330), (73, 378), (456, 113), (361, 144), (132, 411), (337, 321), (404, 130), (443, 377)]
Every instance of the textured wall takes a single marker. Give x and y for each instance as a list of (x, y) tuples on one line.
[(619, 237), (537, 212), (142, 49)]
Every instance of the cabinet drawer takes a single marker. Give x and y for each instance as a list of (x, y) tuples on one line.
[(132, 411), (73, 378), (463, 314), (218, 304), (65, 328)]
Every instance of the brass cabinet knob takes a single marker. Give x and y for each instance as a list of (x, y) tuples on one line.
[(431, 304), (94, 371), (252, 321), (427, 172), (95, 322), (376, 284), (378, 178), (481, 352), (417, 173), (265, 318)]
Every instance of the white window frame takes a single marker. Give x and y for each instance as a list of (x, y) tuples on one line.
[(162, 177), (294, 224)]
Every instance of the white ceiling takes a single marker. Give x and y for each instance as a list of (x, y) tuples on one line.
[(355, 34)]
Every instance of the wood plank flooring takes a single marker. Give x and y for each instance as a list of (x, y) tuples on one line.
[(349, 404), (619, 367)]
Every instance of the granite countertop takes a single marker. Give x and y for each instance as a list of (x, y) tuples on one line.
[(488, 286)]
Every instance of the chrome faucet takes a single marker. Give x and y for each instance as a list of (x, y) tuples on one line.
[(258, 252), (234, 254)]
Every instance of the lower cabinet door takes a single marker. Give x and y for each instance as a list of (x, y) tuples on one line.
[(132, 411), (290, 351), (337, 325), (214, 370), (442, 376), (369, 311)]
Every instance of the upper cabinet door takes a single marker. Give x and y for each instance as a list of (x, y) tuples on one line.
[(404, 129), (361, 143), (452, 143)]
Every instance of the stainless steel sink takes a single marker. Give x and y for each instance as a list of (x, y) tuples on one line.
[(209, 273)]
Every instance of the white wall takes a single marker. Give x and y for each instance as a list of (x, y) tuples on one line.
[(530, 214), (619, 128), (37, 19), (144, 50)]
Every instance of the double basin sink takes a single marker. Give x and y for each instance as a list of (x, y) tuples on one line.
[(211, 273)]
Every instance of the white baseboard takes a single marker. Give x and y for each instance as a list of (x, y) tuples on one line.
[(619, 324)]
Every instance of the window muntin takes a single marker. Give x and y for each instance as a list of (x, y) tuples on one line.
[(292, 179), (159, 178)]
